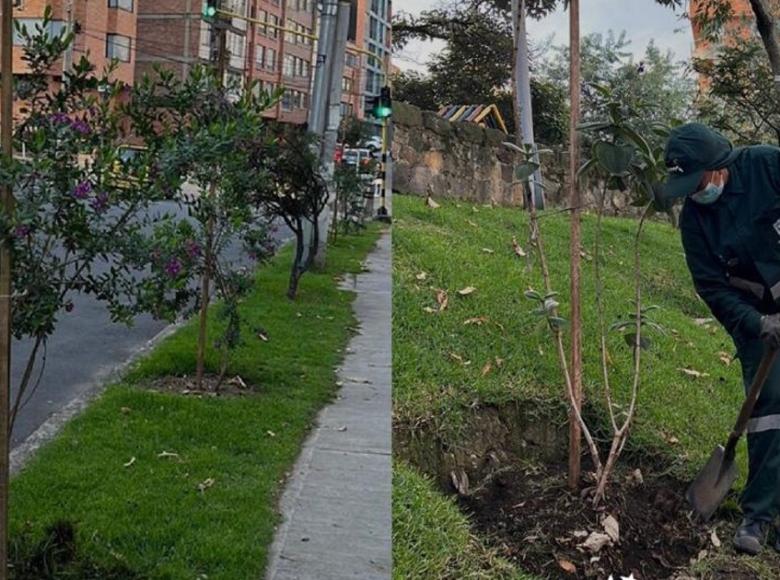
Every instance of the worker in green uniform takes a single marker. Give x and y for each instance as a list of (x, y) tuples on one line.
[(730, 226)]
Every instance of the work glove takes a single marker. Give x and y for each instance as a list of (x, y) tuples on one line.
[(770, 330)]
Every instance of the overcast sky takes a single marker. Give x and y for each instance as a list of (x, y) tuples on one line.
[(643, 21)]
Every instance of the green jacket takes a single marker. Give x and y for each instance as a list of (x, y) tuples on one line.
[(733, 245)]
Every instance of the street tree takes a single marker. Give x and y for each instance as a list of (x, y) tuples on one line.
[(207, 131), (81, 223)]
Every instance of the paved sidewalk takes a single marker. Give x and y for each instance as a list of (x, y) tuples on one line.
[(336, 507)]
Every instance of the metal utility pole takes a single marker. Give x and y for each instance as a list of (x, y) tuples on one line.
[(7, 199), (575, 435), (330, 136), (524, 118), (318, 110)]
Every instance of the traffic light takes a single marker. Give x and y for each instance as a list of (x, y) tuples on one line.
[(383, 104), (210, 9)]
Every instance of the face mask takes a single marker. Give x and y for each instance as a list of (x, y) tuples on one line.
[(709, 194)]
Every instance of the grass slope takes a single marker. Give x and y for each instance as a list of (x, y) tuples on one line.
[(151, 515), (459, 245)]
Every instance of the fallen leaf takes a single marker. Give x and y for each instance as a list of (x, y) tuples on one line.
[(488, 251), (270, 433), (703, 321), (125, 410), (422, 276), (205, 484), (342, 428), (472, 224), (165, 454), (262, 334), (479, 321), (487, 368), (443, 299), (475, 209), (611, 526), (636, 477), (430, 310), (518, 250), (672, 440), (596, 541), (499, 362), (725, 358), (129, 463), (461, 482), (467, 290), (715, 539), (432, 204), (567, 566), (580, 534), (693, 373), (239, 382)]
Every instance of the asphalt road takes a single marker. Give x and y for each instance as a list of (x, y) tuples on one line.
[(83, 351)]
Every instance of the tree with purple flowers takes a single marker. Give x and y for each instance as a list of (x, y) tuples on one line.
[(81, 222), (207, 132)]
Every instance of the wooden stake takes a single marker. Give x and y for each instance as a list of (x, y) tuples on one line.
[(575, 434)]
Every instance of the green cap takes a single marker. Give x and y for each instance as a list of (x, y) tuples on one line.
[(692, 150)]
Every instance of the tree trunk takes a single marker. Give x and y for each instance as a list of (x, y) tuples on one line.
[(204, 304), (765, 22), (575, 434), (296, 269)]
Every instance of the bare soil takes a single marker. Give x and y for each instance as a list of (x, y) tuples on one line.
[(531, 515), (230, 386)]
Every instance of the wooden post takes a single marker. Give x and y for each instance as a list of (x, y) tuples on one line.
[(575, 435), (7, 199)]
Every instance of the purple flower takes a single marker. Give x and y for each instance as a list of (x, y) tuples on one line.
[(80, 126), (192, 248), (100, 202), (173, 267), (59, 117), (22, 231), (82, 190)]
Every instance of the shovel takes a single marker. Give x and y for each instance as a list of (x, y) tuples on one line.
[(717, 476)]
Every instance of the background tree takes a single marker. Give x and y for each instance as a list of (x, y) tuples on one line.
[(416, 89), (294, 192), (741, 98)]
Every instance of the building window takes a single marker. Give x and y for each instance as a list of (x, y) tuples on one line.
[(118, 47), (56, 27), (292, 99), (347, 85), (352, 60), (269, 62), (121, 4)]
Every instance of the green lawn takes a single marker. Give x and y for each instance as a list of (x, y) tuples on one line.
[(460, 245), (150, 516)]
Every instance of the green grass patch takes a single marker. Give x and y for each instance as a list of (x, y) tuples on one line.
[(460, 245), (432, 539), (209, 511)]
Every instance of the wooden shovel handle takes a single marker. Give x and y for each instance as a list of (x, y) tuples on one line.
[(767, 360)]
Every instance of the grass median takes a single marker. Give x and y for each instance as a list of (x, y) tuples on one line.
[(163, 485)]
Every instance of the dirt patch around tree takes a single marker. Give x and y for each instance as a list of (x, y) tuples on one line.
[(645, 527), (229, 386)]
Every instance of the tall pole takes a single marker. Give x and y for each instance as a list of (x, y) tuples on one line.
[(523, 107), (318, 111), (333, 121), (7, 199), (575, 435)]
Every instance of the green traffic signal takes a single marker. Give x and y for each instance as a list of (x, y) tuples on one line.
[(209, 9), (382, 112)]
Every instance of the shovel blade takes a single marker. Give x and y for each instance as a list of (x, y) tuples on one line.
[(710, 488)]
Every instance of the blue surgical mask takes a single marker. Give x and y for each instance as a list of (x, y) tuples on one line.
[(709, 194)]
